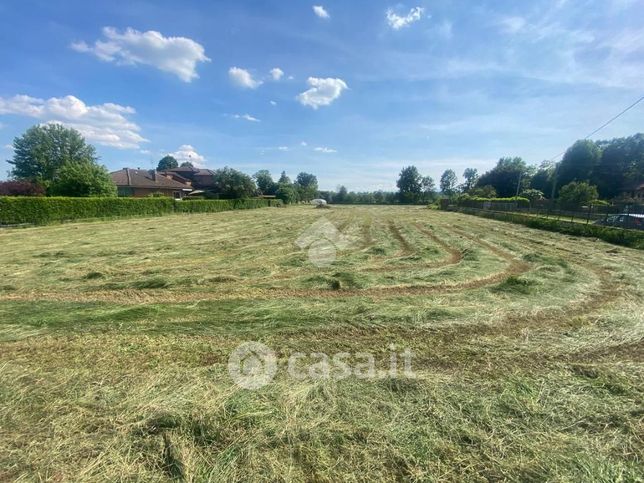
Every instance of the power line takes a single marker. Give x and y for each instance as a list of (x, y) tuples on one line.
[(607, 123)]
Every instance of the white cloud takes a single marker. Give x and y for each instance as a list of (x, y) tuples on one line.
[(273, 103), (320, 11), (397, 22), (8, 147), (324, 149), (243, 78), (512, 25), (282, 148), (105, 124), (246, 117), (177, 55), (304, 143), (187, 153), (276, 73), (322, 92)]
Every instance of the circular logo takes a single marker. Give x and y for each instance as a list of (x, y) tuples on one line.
[(252, 365)]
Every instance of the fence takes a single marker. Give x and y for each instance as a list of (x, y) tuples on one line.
[(615, 215)]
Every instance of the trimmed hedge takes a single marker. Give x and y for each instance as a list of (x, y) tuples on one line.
[(478, 202), (618, 236), (40, 210)]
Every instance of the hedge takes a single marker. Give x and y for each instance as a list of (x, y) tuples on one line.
[(618, 236), (478, 202), (41, 210)]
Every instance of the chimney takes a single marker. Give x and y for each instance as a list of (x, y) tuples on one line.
[(154, 175)]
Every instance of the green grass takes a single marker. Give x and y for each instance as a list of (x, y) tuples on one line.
[(115, 338)]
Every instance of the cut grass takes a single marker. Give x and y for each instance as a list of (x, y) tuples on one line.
[(527, 351)]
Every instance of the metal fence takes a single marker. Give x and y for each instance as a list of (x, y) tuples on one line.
[(627, 216)]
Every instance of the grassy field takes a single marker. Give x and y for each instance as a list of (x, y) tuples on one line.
[(527, 346)]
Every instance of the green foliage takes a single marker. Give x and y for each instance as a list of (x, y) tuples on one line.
[(448, 182), (287, 193), (471, 176), (478, 202), (83, 178), (19, 210), (230, 184), (621, 165), (167, 162), (306, 185), (43, 150), (532, 194), (578, 162), (265, 182), (507, 175), (410, 184), (578, 193), (187, 164), (486, 191)]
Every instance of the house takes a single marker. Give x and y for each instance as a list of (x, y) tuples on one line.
[(201, 179), (140, 183), (633, 192)]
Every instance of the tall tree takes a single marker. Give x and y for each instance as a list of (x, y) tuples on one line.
[(508, 175), (167, 162), (284, 178), (186, 164), (543, 178), (409, 184), (621, 165), (341, 196), (429, 187), (471, 176), (306, 185), (42, 151), (578, 162), (448, 182), (265, 182), (230, 184)]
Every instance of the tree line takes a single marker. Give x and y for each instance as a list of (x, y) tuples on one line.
[(588, 171)]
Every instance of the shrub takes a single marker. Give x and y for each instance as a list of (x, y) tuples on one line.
[(16, 210), (478, 202), (21, 188)]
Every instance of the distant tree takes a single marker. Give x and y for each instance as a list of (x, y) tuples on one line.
[(578, 193), (21, 188), (471, 176), (284, 178), (448, 182), (41, 151), (186, 164), (167, 162), (507, 175), (341, 196), (621, 165), (543, 178), (486, 191), (306, 185), (265, 182), (82, 178), (532, 194), (410, 184), (230, 184), (286, 192), (578, 162), (428, 187)]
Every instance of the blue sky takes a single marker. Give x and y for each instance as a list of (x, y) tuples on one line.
[(349, 90)]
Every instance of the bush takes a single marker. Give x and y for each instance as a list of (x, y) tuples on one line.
[(21, 188), (16, 210), (478, 202)]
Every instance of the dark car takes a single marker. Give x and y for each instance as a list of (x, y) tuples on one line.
[(623, 220)]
